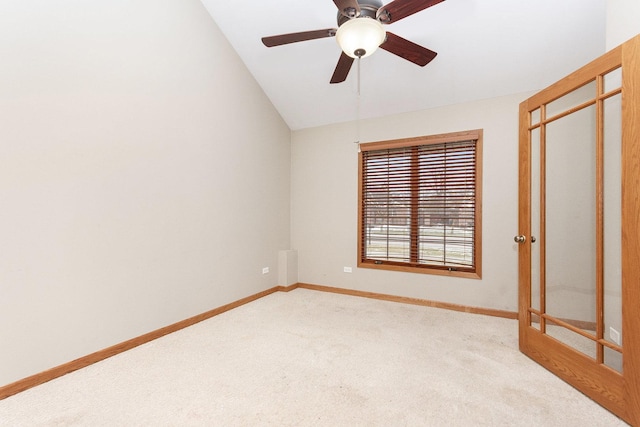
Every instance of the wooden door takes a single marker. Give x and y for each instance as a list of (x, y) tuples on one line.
[(579, 229)]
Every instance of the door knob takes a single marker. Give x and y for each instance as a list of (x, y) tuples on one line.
[(519, 239)]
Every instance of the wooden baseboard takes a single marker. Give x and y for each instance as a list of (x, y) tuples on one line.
[(287, 288), (413, 301), (74, 365)]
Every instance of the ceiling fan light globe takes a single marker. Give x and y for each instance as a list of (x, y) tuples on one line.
[(360, 35)]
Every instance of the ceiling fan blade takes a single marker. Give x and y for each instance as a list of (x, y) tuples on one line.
[(398, 9), (297, 37), (349, 8), (408, 50), (342, 69)]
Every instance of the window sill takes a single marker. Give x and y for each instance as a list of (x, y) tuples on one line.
[(421, 270)]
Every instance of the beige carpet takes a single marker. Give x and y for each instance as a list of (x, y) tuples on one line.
[(308, 358)]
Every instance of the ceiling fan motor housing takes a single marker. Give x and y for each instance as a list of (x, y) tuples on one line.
[(368, 9)]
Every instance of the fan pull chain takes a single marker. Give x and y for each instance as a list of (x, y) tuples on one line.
[(359, 59), (357, 141)]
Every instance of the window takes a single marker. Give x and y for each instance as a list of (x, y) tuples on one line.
[(420, 204)]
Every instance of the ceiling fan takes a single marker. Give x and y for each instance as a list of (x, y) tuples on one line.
[(360, 32)]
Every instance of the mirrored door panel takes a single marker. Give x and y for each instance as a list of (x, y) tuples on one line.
[(612, 254), (570, 228), (536, 234)]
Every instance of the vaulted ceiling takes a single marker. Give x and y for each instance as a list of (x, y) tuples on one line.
[(486, 48)]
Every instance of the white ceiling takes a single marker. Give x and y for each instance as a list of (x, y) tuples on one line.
[(486, 48)]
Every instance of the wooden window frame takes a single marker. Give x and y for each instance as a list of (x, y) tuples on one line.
[(473, 273)]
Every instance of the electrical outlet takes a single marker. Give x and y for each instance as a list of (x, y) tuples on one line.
[(265, 270), (614, 335), (347, 270)]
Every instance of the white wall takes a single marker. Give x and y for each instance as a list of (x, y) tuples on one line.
[(144, 175), (623, 21), (324, 203)]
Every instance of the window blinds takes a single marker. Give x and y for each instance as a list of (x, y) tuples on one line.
[(419, 204)]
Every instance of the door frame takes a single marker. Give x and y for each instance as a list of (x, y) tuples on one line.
[(618, 392)]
